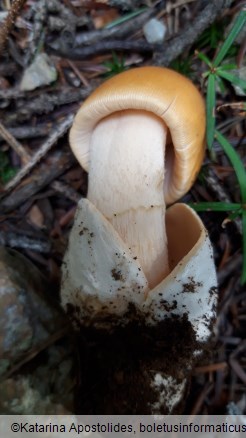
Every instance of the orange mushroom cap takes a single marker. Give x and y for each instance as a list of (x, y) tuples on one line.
[(167, 94)]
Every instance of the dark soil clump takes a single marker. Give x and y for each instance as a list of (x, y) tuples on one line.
[(117, 369)]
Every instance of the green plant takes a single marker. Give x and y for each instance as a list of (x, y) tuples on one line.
[(125, 18), (215, 76), (211, 36), (183, 66), (6, 171), (117, 65)]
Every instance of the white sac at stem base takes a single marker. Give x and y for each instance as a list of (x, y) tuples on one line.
[(101, 279)]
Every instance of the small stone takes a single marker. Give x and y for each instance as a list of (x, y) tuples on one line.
[(27, 319), (41, 72), (154, 31)]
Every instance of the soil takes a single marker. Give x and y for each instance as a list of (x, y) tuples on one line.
[(117, 369)]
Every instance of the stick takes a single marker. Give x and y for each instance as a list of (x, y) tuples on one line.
[(47, 145), (43, 175), (80, 53), (18, 148), (9, 22)]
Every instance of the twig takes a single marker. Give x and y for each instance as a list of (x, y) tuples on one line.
[(232, 340), (15, 240), (78, 73), (46, 102), (210, 368), (66, 191), (37, 31), (58, 162), (9, 21), (68, 217), (29, 131), (204, 393), (214, 184), (80, 53), (228, 297), (235, 364), (60, 130), (11, 93), (175, 46), (18, 148), (124, 5)]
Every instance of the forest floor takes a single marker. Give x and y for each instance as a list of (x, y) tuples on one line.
[(53, 54)]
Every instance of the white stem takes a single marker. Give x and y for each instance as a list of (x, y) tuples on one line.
[(126, 180)]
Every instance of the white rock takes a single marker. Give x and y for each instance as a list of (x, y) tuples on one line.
[(41, 72), (154, 31)]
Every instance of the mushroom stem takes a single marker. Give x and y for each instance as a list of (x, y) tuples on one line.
[(126, 183)]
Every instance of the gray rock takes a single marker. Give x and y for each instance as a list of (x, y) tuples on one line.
[(41, 72), (27, 318)]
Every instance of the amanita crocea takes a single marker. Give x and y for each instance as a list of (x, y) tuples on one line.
[(140, 136)]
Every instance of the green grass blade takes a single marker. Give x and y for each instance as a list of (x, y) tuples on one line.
[(125, 18), (243, 276), (215, 206), (236, 163), (232, 78), (210, 109), (238, 25), (226, 67), (204, 58), (235, 214), (221, 84)]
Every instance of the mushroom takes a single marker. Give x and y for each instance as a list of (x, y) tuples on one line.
[(140, 136), (120, 135)]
